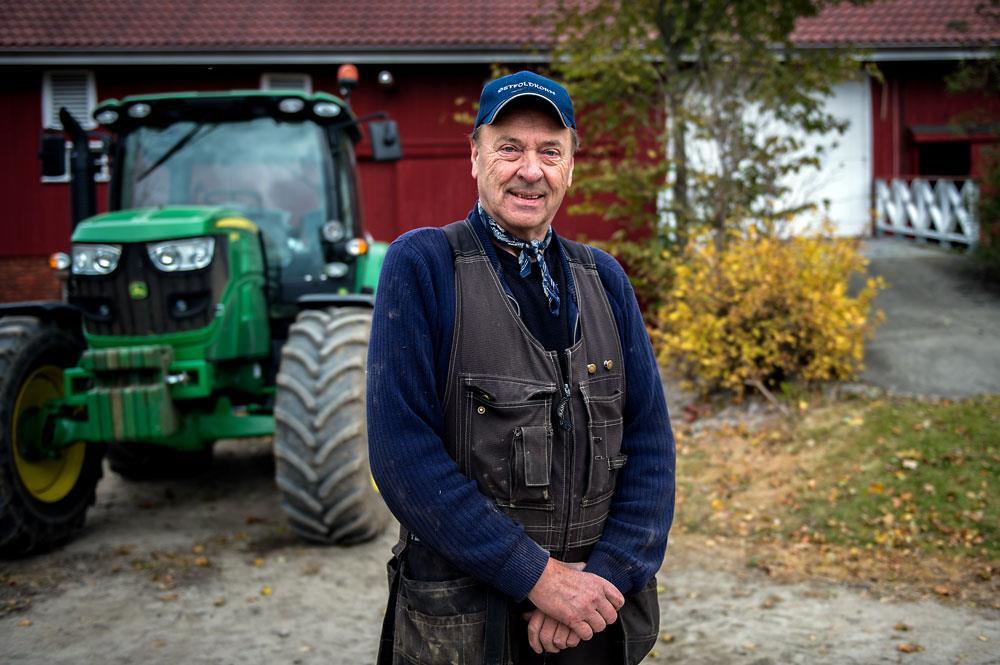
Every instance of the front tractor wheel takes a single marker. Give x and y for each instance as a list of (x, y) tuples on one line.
[(43, 497), (320, 432)]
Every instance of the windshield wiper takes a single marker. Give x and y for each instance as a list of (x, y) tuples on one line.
[(175, 148)]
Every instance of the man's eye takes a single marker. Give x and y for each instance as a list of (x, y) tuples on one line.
[(551, 154), (508, 149)]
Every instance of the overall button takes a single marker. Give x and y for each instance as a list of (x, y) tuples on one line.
[(591, 368), (481, 410)]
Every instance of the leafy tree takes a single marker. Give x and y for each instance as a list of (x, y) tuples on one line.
[(692, 109), (983, 76)]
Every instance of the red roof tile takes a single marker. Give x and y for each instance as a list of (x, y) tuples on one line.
[(331, 25), (903, 23), (267, 24)]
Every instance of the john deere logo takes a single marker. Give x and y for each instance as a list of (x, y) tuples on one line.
[(138, 290)]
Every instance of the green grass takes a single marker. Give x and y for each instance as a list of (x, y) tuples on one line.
[(903, 473)]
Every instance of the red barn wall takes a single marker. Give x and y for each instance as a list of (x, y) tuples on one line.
[(914, 94), (431, 186)]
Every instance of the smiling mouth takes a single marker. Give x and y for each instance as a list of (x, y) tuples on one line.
[(526, 196)]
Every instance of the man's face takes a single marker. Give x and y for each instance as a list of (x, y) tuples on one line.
[(523, 165)]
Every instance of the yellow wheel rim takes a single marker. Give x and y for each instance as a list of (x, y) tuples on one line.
[(47, 480)]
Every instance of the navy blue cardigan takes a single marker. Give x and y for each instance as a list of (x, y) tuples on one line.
[(407, 370)]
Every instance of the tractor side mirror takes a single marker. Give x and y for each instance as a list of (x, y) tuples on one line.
[(52, 154), (386, 146)]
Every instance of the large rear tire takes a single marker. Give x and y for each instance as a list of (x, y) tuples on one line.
[(43, 502), (320, 431)]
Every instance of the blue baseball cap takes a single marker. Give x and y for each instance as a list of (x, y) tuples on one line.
[(499, 92)]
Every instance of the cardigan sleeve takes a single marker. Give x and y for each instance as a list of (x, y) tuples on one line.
[(634, 539), (421, 484)]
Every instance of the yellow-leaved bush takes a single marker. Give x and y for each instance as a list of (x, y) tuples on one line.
[(763, 310)]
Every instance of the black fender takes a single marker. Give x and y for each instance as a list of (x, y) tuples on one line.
[(66, 316), (324, 300)]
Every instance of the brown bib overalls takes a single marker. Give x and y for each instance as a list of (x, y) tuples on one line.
[(541, 433)]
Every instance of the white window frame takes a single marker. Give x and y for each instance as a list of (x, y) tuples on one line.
[(50, 119), (101, 174), (266, 81)]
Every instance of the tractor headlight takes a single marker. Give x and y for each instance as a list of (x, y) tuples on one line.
[(186, 254), (92, 259)]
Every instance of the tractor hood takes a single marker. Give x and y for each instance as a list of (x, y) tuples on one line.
[(150, 224)]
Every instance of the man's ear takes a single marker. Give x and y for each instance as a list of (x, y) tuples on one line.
[(474, 149), (569, 176)]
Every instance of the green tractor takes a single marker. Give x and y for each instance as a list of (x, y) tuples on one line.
[(227, 294)]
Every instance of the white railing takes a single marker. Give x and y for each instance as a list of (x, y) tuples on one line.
[(943, 210)]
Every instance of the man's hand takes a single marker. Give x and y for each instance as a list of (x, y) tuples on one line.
[(583, 602), (547, 634)]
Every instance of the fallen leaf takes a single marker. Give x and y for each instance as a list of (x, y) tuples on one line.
[(159, 644), (202, 562), (198, 549), (876, 488), (667, 637), (219, 602), (266, 590), (253, 519), (652, 653), (168, 597), (660, 588), (24, 623), (901, 627), (258, 562), (942, 590), (908, 647), (770, 602), (982, 638)]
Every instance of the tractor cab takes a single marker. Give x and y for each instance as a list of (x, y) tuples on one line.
[(284, 160)]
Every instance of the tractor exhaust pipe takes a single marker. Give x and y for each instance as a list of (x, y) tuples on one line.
[(83, 192)]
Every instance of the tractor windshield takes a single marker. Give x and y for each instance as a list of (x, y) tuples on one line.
[(275, 173)]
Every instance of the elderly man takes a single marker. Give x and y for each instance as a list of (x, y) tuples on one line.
[(516, 419)]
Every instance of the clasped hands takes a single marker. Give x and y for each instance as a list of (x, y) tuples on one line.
[(571, 606)]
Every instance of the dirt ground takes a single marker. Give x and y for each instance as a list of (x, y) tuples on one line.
[(205, 571)]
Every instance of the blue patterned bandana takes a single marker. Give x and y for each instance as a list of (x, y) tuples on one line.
[(533, 249)]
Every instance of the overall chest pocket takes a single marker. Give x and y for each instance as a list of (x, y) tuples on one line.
[(508, 431), (604, 400)]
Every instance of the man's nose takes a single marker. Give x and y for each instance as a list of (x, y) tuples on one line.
[(531, 170)]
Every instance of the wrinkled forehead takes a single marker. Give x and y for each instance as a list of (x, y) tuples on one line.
[(528, 120)]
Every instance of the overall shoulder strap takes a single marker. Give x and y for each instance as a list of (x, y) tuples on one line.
[(462, 238), (577, 252)]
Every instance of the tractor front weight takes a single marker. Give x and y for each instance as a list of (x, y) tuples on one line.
[(140, 394)]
